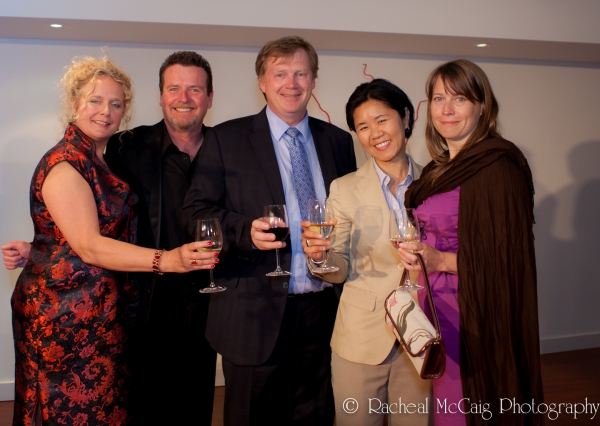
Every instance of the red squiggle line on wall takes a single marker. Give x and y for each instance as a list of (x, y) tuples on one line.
[(418, 108), (321, 108), (365, 72)]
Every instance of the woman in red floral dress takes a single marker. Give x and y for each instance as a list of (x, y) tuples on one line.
[(72, 312)]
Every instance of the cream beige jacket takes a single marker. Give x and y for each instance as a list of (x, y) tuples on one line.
[(368, 264)]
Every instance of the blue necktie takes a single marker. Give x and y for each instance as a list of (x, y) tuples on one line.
[(303, 181)]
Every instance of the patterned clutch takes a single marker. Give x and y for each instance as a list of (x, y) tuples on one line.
[(419, 338)]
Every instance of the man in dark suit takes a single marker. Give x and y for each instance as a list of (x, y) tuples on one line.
[(273, 333), (174, 366)]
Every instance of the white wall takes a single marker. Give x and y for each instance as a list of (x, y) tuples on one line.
[(551, 111)]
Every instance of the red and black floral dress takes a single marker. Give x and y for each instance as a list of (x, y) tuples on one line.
[(71, 320)]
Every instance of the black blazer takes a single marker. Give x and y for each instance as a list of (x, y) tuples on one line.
[(236, 176), (135, 156)]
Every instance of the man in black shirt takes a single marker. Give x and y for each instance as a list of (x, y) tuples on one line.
[(174, 366)]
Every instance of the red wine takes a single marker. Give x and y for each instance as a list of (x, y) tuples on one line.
[(280, 233)]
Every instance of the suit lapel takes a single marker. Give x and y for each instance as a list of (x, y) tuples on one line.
[(150, 176), (327, 160), (262, 143)]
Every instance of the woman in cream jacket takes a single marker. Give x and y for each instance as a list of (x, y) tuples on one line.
[(371, 374)]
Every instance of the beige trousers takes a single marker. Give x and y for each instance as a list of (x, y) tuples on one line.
[(364, 394)]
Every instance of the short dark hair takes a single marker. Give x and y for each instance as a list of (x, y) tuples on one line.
[(187, 59), (385, 92), (286, 47)]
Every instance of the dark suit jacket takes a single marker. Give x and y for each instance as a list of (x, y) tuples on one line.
[(236, 176), (136, 157)]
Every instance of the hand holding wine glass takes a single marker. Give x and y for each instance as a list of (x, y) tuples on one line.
[(404, 228), (276, 216), (320, 216), (210, 230)]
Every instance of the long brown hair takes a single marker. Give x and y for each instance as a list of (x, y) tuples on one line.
[(460, 77)]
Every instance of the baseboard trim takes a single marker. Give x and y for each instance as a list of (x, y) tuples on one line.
[(7, 389), (547, 346), (570, 343)]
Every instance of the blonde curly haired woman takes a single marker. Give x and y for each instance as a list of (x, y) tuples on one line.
[(72, 312)]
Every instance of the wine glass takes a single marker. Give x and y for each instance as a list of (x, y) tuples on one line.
[(404, 228), (320, 217), (276, 217), (210, 230)]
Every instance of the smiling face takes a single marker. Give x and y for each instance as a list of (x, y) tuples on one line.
[(287, 84), (453, 116), (99, 111), (380, 130), (184, 98)]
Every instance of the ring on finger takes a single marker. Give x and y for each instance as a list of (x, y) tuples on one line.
[(194, 262), (307, 245)]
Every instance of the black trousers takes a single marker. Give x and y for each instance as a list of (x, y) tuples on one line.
[(294, 385), (174, 370)]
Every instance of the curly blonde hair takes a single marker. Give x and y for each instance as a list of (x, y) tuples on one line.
[(88, 69)]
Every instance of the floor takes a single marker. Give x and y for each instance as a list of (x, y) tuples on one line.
[(569, 377)]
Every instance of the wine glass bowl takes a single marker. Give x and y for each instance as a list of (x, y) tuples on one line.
[(404, 228), (210, 230), (276, 216), (320, 216)]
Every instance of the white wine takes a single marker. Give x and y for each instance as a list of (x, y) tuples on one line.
[(397, 240), (213, 249), (324, 229)]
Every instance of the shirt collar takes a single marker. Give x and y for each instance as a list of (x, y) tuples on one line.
[(384, 179), (279, 127), (167, 142)]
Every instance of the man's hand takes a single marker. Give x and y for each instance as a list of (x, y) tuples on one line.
[(264, 240), (15, 254)]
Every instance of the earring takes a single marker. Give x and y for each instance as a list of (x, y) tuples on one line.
[(407, 132)]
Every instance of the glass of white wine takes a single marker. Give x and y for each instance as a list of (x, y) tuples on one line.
[(320, 216), (404, 228), (210, 230)]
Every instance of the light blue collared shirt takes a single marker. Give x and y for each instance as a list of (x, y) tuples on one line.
[(394, 201), (299, 282)]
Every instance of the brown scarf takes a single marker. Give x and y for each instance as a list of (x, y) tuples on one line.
[(499, 337)]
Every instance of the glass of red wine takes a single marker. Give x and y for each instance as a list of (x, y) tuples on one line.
[(276, 216)]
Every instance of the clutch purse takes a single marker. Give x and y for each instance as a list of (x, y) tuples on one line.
[(418, 337)]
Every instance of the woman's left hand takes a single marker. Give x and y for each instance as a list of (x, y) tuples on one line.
[(435, 260), (189, 257)]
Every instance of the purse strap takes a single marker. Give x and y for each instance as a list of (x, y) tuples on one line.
[(436, 322)]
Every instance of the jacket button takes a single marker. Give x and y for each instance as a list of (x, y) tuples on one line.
[(285, 284)]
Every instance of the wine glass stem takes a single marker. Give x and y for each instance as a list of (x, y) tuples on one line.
[(212, 281), (277, 257)]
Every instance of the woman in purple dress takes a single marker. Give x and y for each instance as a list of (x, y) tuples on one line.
[(72, 311), (474, 201)]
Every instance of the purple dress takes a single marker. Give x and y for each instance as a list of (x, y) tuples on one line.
[(438, 215)]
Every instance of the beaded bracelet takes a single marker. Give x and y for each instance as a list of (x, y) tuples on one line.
[(157, 256)]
